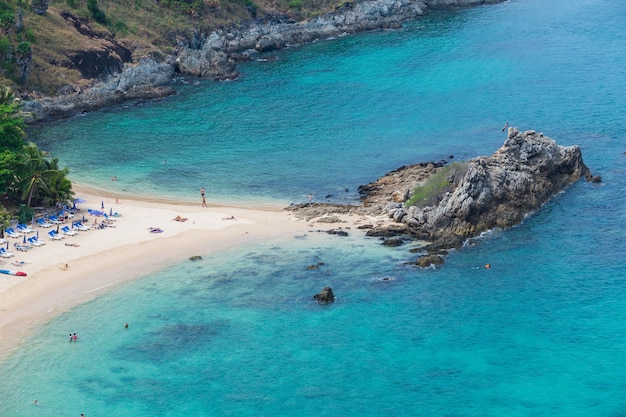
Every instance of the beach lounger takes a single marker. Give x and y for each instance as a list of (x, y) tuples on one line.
[(11, 232), (54, 235), (35, 241), (81, 227), (43, 223), (23, 228), (54, 220), (67, 231), (5, 253)]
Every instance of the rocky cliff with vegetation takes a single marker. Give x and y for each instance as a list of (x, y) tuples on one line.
[(444, 204), (68, 56)]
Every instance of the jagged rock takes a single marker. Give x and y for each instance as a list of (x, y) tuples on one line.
[(429, 260), (393, 242), (387, 232), (499, 191), (328, 219), (146, 79), (325, 296), (337, 232), (195, 258), (594, 179)]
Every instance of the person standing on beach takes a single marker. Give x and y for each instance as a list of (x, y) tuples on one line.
[(310, 199), (203, 198)]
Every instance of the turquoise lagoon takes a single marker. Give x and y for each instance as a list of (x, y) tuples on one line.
[(542, 332)]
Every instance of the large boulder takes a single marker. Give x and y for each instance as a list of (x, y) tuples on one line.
[(325, 296)]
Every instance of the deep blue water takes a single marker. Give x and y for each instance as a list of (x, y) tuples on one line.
[(542, 332)]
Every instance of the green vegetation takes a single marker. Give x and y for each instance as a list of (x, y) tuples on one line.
[(97, 14), (27, 175), (440, 182)]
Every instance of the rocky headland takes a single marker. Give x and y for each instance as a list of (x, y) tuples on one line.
[(443, 204), (115, 75)]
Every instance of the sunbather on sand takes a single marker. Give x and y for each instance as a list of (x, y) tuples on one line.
[(180, 219), (72, 244)]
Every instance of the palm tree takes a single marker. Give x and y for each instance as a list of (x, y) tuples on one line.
[(60, 187), (34, 174), (23, 57)]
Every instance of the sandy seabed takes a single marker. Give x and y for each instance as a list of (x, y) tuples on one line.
[(64, 273)]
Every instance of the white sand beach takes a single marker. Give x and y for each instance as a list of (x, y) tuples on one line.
[(61, 276)]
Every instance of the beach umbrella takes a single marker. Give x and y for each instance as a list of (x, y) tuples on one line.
[(7, 244), (57, 228), (24, 240), (111, 211), (83, 217), (2, 232), (103, 204), (37, 234), (78, 201)]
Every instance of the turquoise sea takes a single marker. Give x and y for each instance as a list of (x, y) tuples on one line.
[(540, 333)]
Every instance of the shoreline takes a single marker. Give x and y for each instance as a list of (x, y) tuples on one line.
[(99, 259)]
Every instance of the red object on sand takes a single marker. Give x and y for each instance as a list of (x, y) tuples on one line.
[(10, 272)]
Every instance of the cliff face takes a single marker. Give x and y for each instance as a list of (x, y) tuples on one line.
[(500, 190), (215, 55)]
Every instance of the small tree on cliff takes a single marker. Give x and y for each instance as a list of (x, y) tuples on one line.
[(40, 6), (23, 57)]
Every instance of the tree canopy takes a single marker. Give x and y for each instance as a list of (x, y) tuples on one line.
[(27, 175)]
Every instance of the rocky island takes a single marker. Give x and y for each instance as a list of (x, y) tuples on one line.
[(444, 204)]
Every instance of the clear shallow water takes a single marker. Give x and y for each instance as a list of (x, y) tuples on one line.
[(540, 333)]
